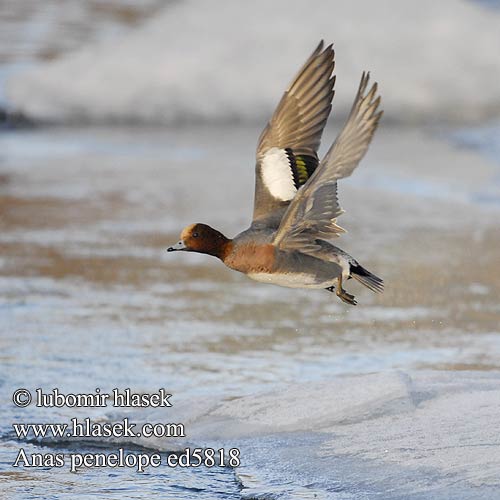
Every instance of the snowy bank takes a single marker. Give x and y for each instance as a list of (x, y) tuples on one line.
[(226, 61), (399, 435)]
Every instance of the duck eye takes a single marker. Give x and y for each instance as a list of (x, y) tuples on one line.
[(195, 235)]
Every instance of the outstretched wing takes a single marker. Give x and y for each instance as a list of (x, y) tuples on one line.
[(313, 212), (352, 143), (287, 148)]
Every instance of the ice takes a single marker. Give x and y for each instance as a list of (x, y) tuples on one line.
[(435, 61), (391, 435)]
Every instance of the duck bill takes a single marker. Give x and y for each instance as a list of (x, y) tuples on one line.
[(178, 246)]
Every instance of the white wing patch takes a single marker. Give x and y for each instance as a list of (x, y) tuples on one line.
[(277, 174)]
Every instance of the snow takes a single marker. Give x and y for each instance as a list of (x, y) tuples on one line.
[(230, 61), (396, 434)]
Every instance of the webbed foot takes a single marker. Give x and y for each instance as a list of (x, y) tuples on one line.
[(346, 297), (342, 294)]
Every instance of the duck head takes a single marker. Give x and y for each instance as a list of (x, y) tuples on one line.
[(202, 239)]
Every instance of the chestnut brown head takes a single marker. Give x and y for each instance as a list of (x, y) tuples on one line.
[(202, 239)]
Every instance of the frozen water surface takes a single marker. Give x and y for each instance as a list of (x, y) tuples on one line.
[(322, 399)]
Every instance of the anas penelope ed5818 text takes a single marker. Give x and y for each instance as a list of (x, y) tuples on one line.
[(296, 205)]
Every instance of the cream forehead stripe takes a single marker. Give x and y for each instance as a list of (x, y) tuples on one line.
[(187, 231), (277, 174)]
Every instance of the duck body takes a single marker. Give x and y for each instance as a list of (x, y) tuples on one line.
[(266, 263), (255, 254), (296, 205)]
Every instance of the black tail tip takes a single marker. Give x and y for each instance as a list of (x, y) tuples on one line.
[(365, 277)]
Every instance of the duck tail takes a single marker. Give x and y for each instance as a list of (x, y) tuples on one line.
[(374, 283)]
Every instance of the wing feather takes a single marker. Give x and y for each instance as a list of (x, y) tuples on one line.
[(353, 141), (313, 212), (297, 125)]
